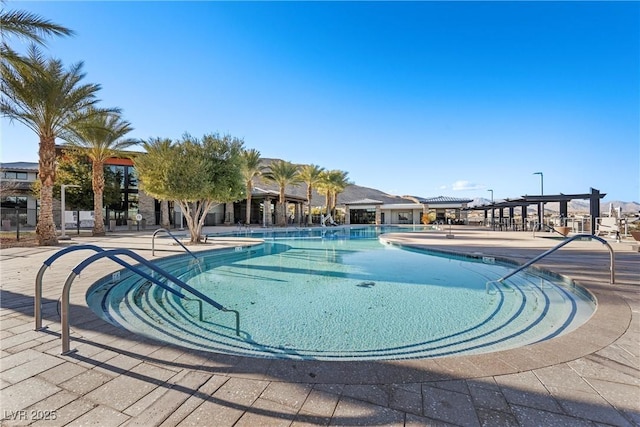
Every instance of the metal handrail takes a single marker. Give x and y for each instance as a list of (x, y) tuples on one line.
[(37, 309), (555, 248), (153, 242), (47, 263)]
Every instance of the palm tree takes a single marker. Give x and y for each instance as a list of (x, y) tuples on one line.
[(27, 26), (339, 182), (310, 175), (282, 173), (332, 183), (100, 137), (46, 98), (251, 169), (161, 148)]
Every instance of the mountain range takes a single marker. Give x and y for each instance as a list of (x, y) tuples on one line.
[(355, 192)]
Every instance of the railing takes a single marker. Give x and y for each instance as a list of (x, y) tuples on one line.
[(153, 242), (37, 309), (112, 254), (555, 248), (38, 291)]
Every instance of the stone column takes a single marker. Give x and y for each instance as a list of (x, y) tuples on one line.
[(378, 216), (266, 213), (147, 207), (347, 215), (228, 214)]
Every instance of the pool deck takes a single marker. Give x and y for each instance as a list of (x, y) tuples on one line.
[(589, 377)]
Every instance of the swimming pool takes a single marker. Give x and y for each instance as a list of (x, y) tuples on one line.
[(342, 294)]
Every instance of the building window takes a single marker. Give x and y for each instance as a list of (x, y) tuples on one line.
[(405, 217), (16, 175), (13, 202)]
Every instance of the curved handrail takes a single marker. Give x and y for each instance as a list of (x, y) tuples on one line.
[(111, 254), (37, 308), (153, 242), (555, 248)]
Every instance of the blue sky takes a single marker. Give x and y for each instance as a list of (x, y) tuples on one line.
[(420, 98)]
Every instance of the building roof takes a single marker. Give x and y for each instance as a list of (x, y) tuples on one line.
[(20, 166), (438, 199), (364, 202)]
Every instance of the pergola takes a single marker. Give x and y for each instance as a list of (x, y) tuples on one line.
[(525, 201)]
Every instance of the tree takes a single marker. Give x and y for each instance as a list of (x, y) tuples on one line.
[(47, 99), (282, 173), (75, 168), (251, 168), (197, 174), (100, 136), (160, 149), (310, 175), (27, 26), (333, 182)]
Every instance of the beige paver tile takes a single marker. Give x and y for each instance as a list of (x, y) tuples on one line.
[(183, 386), (412, 420), (16, 359), (368, 393), (562, 376), (68, 413), (118, 364), (267, 413), (491, 417), (528, 416), (525, 389), (102, 416), (596, 367), (193, 402), (320, 402), (85, 382), (449, 406), (128, 388), (61, 373), (228, 403), (622, 396), (405, 400), (291, 395), (351, 412), (31, 368), (488, 399), (26, 393), (588, 405)]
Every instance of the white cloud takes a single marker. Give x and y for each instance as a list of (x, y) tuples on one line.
[(462, 185), (443, 187)]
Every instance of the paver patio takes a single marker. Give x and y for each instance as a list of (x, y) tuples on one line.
[(589, 377)]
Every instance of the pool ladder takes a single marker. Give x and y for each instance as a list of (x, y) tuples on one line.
[(612, 267), (113, 255)]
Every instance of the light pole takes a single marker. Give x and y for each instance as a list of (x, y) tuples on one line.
[(493, 224), (541, 205), (63, 236)]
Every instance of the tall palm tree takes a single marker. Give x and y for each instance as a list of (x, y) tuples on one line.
[(27, 26), (99, 137), (332, 183), (251, 168), (339, 181), (282, 173), (46, 98), (162, 149), (310, 175)]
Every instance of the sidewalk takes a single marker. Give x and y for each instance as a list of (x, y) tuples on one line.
[(588, 377)]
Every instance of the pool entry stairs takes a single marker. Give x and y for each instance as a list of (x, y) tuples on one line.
[(113, 254)]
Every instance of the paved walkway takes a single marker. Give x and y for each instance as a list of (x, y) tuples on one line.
[(588, 377)]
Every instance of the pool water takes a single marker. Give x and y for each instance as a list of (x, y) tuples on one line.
[(347, 296)]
